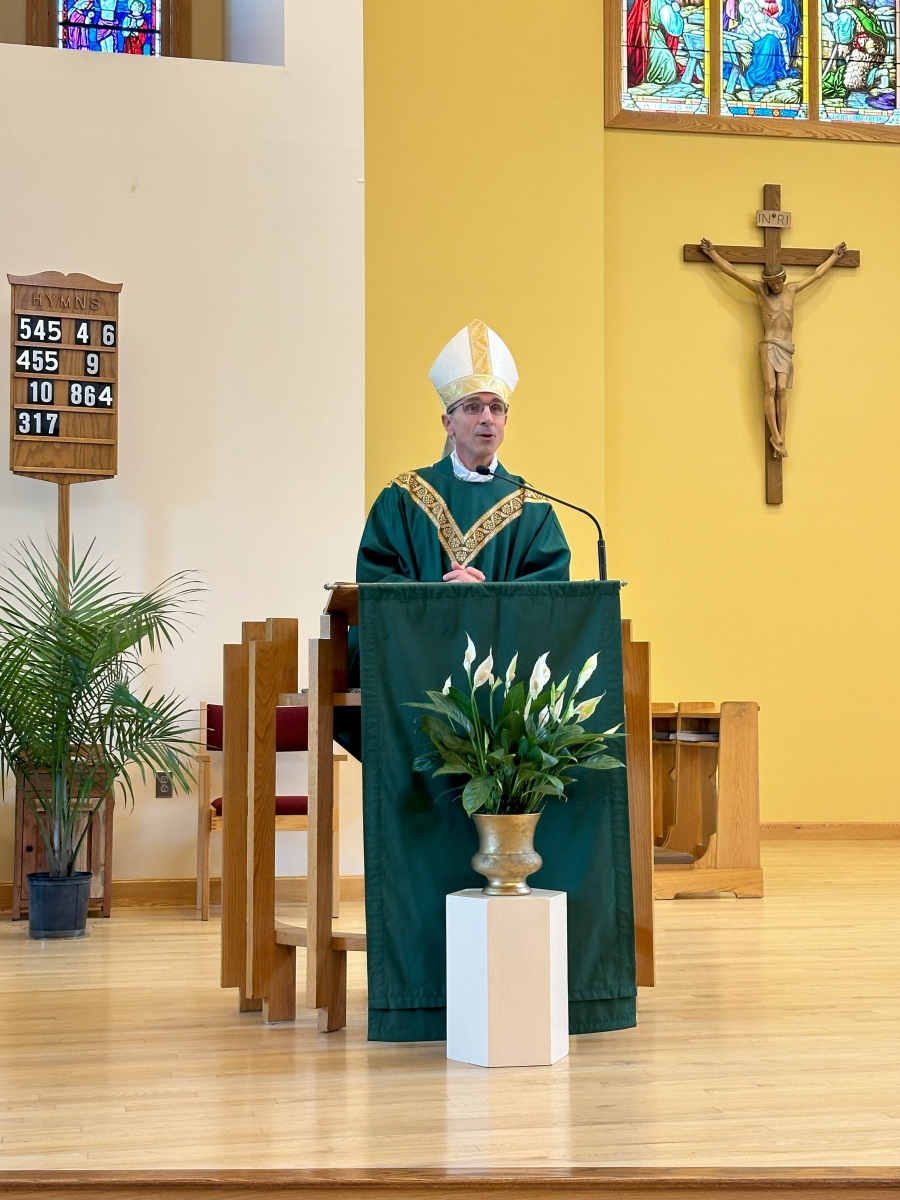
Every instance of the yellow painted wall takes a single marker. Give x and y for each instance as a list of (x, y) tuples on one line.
[(484, 189), (793, 606), (491, 189)]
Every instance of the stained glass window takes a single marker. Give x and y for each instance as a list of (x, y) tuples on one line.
[(665, 60), (764, 58), (110, 26), (859, 62)]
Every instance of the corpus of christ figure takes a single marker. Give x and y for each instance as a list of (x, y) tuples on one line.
[(775, 297), (776, 304)]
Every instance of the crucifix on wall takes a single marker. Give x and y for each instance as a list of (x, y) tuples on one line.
[(776, 303)]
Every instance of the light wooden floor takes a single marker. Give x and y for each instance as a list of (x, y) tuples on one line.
[(773, 1039)]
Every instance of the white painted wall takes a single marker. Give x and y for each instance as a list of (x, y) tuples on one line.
[(254, 31), (226, 198)]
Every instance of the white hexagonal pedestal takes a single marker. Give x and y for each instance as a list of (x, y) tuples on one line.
[(507, 979)]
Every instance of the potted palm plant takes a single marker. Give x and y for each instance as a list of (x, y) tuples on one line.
[(71, 721), (516, 750)]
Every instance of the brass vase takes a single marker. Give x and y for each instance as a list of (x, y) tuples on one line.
[(506, 855)]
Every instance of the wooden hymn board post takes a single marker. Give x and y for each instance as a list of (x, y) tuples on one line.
[(772, 219), (64, 372)]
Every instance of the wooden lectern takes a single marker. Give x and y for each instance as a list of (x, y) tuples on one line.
[(258, 952)]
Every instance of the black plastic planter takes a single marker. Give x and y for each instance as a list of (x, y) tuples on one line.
[(58, 908)]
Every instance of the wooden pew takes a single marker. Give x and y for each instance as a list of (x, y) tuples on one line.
[(706, 800)]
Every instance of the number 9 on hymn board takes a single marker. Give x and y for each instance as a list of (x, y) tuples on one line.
[(64, 377)]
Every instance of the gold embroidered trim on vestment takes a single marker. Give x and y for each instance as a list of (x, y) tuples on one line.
[(458, 546)]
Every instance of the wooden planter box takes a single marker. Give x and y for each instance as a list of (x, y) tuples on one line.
[(95, 854)]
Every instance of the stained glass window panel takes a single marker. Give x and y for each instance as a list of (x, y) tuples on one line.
[(764, 58), (665, 60), (110, 26), (859, 62)]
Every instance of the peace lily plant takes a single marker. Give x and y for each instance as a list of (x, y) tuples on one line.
[(516, 748)]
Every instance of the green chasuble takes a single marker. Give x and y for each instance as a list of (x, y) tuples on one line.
[(428, 517)]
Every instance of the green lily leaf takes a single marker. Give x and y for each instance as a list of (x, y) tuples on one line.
[(605, 762), (479, 792)]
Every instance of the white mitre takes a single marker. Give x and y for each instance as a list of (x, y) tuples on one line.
[(476, 360)]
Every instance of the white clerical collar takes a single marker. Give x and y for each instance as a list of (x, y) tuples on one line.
[(467, 476)]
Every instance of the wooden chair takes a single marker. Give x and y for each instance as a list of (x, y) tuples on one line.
[(259, 953), (291, 812)]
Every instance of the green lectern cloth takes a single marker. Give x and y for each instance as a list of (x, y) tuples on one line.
[(419, 841)]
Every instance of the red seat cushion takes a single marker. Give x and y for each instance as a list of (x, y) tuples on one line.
[(291, 728), (285, 806)]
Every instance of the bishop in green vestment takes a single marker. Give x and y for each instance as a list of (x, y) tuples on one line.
[(447, 522)]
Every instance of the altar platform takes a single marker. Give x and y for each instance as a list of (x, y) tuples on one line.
[(766, 1060)]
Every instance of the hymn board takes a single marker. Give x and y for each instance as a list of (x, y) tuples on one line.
[(64, 371)]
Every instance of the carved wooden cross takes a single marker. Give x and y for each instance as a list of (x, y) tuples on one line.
[(772, 219)]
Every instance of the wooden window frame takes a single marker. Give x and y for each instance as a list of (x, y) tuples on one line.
[(176, 26), (715, 121)]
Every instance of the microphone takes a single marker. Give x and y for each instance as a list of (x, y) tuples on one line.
[(601, 544)]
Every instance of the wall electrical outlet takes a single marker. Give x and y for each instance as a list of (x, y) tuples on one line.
[(164, 789)]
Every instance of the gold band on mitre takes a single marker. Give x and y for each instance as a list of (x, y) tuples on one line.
[(460, 388)]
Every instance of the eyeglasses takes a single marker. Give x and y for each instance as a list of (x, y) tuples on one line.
[(474, 408)]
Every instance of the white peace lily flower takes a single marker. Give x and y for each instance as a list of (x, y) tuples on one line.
[(586, 708), (609, 732), (484, 671), (556, 708), (543, 716), (469, 656), (446, 688), (539, 676), (511, 671), (586, 672)]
